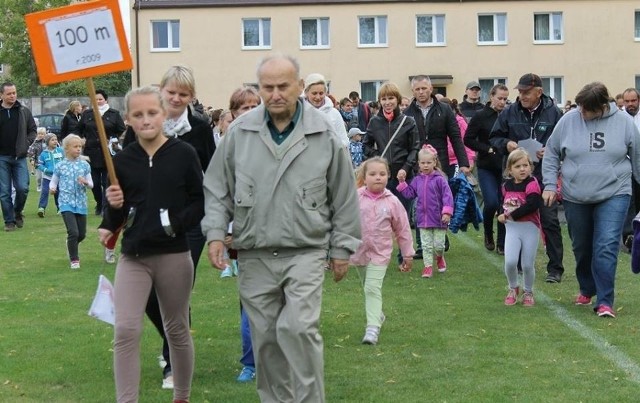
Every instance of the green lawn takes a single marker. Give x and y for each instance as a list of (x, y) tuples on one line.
[(446, 339)]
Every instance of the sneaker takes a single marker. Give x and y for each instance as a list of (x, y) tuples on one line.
[(227, 272), (109, 255), (553, 278), (75, 264), (500, 250), (512, 296), (19, 220), (10, 227), (427, 272), (234, 265), (418, 254), (447, 245), (605, 311), (247, 374), (583, 300), (442, 264), (167, 381), (628, 242), (489, 244), (41, 212), (527, 299), (371, 335)]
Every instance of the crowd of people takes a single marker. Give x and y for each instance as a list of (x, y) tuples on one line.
[(270, 185)]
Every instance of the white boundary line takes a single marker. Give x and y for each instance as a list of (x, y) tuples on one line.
[(612, 353)]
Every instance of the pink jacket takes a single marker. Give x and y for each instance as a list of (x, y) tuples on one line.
[(471, 155), (381, 216)]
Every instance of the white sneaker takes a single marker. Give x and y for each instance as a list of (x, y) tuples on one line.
[(167, 382), (75, 264), (109, 256), (161, 361), (371, 335)]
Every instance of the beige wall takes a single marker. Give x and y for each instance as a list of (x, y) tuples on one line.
[(598, 45)]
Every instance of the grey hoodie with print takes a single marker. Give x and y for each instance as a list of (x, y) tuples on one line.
[(595, 157)]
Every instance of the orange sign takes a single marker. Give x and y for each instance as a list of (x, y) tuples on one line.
[(78, 41)]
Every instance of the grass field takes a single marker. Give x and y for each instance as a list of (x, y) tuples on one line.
[(446, 339)]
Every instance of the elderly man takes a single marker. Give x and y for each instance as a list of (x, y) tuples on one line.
[(471, 103), (631, 100), (533, 116), (17, 132), (285, 180)]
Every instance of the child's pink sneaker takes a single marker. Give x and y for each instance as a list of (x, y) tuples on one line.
[(442, 264), (427, 272), (527, 299), (512, 296)]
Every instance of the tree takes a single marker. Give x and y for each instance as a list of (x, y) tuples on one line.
[(16, 53)]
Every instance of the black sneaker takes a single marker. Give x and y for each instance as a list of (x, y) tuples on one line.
[(10, 227), (553, 278), (418, 254), (19, 220), (628, 242)]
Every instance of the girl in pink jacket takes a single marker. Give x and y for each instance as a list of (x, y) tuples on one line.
[(382, 216)]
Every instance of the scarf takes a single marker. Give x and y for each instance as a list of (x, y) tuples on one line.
[(389, 115), (177, 127), (346, 116), (102, 109)]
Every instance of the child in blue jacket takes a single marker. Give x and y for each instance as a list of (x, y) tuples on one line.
[(50, 156)]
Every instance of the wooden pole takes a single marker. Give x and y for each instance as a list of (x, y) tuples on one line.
[(104, 143)]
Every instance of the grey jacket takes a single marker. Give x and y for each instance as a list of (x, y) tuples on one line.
[(596, 157), (304, 198)]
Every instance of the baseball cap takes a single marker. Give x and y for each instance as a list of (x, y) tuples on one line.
[(529, 81), (354, 131), (473, 84)]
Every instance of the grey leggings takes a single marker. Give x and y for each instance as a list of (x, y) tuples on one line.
[(521, 242), (172, 277)]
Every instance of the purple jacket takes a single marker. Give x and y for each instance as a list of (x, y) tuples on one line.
[(434, 198)]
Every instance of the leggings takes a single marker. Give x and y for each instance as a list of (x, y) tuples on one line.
[(76, 231), (171, 275), (521, 242)]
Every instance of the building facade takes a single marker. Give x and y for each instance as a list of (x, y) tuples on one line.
[(358, 45)]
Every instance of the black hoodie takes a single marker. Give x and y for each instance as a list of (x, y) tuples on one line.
[(171, 179)]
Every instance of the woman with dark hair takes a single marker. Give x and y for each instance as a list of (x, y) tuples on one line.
[(70, 120), (88, 129), (489, 163), (595, 149), (242, 100)]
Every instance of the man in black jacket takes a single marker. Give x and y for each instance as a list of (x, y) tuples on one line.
[(533, 116), (17, 132), (436, 123), (361, 110), (471, 101)]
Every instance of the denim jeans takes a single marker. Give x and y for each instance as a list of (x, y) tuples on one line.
[(13, 171), (490, 182), (247, 359), (595, 231), (44, 194)]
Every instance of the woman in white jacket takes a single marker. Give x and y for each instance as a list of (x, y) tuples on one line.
[(315, 92)]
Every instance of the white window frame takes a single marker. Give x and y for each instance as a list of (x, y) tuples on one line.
[(435, 20), (170, 36), (486, 83), (496, 40), (549, 86), (377, 31), (551, 28), (376, 83), (636, 25), (261, 34), (320, 32)]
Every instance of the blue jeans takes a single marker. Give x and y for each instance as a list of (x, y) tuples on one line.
[(490, 182), (13, 171), (44, 194), (595, 231), (247, 359)]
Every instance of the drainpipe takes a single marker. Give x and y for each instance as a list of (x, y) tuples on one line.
[(137, 33)]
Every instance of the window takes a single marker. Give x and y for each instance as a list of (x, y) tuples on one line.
[(314, 33), (369, 90), (492, 29), (372, 31), (486, 84), (637, 82), (547, 28), (552, 86), (165, 35), (430, 30), (256, 33), (637, 26)]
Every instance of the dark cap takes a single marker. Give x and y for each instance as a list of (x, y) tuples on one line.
[(529, 81), (473, 84)]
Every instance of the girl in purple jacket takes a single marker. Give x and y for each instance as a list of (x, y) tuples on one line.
[(433, 208)]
